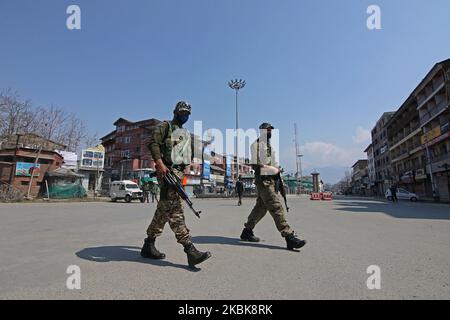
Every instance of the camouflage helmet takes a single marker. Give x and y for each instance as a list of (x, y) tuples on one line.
[(182, 106), (266, 126)]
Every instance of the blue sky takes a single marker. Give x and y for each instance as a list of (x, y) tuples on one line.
[(305, 61)]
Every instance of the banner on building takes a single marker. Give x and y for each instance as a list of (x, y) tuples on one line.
[(93, 158), (206, 169), (70, 159), (24, 169), (430, 135), (228, 165)]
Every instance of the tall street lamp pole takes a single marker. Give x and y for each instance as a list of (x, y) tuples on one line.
[(236, 85)]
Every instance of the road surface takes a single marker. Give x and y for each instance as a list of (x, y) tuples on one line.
[(409, 242)]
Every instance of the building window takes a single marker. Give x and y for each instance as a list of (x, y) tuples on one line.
[(443, 149), (25, 183)]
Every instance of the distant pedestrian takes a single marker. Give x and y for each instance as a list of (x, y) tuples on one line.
[(240, 190), (146, 190), (154, 191), (393, 190), (321, 186)]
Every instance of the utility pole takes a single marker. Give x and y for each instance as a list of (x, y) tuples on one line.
[(96, 180), (430, 166), (32, 173)]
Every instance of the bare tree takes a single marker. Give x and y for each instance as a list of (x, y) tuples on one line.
[(50, 123), (344, 183), (75, 133), (60, 126), (53, 123), (16, 116), (91, 141)]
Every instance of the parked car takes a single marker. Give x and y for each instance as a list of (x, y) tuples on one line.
[(126, 190), (402, 194)]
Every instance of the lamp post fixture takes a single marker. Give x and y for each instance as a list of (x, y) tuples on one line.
[(237, 85)]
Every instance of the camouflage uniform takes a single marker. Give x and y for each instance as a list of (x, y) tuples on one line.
[(170, 208), (154, 192), (173, 148), (146, 190), (265, 186)]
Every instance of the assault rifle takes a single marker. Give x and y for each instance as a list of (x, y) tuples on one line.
[(172, 180), (282, 189)]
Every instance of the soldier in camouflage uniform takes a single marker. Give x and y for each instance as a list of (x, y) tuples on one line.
[(170, 208), (263, 162), (146, 190)]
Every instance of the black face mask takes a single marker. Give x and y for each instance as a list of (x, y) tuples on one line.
[(182, 119)]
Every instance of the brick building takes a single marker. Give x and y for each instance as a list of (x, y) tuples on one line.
[(126, 151), (126, 148), (18, 154)]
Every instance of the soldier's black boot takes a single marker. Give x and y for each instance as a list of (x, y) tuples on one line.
[(194, 256), (149, 250), (247, 235), (293, 242)]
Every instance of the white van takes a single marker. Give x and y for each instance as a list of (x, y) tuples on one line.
[(127, 190)]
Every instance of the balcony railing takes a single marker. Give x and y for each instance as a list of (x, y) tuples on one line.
[(406, 133), (433, 112), (414, 147), (441, 157), (410, 173), (429, 93), (445, 128)]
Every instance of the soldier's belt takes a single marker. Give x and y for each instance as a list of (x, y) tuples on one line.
[(267, 178)]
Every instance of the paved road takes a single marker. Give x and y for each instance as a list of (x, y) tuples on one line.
[(410, 242)]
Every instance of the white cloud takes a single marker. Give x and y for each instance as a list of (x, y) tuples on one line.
[(319, 154), (362, 136)]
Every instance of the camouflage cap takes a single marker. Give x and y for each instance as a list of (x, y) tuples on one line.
[(266, 126), (182, 106)]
